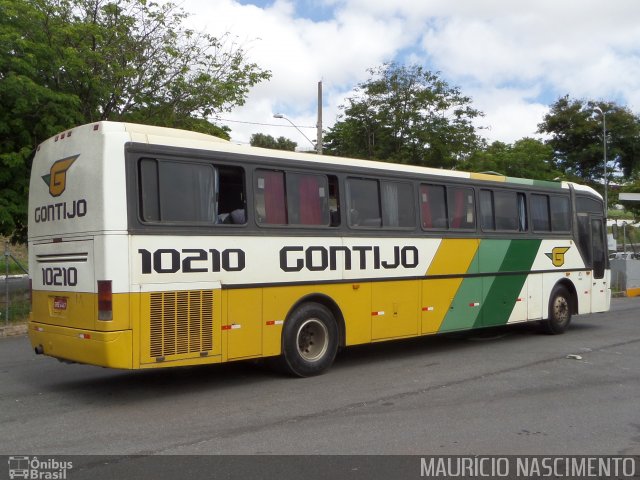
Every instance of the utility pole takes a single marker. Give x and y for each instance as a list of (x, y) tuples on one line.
[(319, 124), (604, 144)]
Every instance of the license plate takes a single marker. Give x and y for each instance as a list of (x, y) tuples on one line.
[(60, 303)]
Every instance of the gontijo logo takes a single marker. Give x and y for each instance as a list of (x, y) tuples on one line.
[(57, 176), (557, 255)]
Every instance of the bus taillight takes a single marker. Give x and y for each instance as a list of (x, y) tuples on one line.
[(105, 306)]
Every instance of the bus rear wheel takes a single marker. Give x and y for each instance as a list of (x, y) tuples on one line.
[(559, 311), (309, 341)]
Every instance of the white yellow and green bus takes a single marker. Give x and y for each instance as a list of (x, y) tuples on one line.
[(155, 247)]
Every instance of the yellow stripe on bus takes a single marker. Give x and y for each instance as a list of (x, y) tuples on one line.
[(454, 257), (488, 177)]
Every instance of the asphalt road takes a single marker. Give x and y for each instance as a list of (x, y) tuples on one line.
[(503, 391)]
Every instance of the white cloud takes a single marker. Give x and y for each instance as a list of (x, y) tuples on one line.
[(513, 58)]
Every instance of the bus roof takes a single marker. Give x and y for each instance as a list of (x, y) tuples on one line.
[(173, 137)]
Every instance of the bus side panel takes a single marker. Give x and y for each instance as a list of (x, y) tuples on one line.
[(535, 307), (561, 255), (453, 257), (601, 293), (244, 323), (437, 297), (510, 259), (465, 306), (180, 326), (521, 307), (353, 300), (395, 309)]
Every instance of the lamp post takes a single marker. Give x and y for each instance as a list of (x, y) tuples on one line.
[(279, 115), (604, 143)]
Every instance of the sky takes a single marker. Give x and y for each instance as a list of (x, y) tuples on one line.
[(513, 58)]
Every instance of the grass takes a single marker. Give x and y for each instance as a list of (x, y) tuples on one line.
[(19, 252), (19, 305), (18, 311)]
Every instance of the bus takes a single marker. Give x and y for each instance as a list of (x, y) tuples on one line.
[(154, 247)]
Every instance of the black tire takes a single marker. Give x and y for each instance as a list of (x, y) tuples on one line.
[(309, 341), (559, 311)]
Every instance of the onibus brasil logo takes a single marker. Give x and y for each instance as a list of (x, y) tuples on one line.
[(557, 255), (34, 468), (56, 179)]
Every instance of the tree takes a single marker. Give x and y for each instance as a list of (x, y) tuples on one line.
[(405, 114), (267, 141), (575, 127), (526, 158), (68, 62)]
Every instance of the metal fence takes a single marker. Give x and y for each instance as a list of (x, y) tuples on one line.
[(16, 302)]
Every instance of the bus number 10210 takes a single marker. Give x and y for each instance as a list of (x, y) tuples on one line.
[(60, 276)]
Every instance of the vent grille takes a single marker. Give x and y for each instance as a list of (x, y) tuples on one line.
[(181, 322)]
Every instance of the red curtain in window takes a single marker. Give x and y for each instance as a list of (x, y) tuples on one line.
[(310, 201), (459, 209), (274, 204), (427, 222)]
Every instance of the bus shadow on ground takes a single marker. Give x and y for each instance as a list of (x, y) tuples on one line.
[(137, 386), (446, 342)]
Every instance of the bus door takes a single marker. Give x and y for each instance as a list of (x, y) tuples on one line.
[(600, 282), (591, 240)]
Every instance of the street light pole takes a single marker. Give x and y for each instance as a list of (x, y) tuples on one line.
[(279, 115), (319, 124), (604, 143)]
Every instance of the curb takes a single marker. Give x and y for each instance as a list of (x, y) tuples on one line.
[(13, 330)]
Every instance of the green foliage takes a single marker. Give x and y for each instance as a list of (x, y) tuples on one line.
[(633, 187), (576, 129), (267, 141), (69, 62), (405, 114), (526, 158)]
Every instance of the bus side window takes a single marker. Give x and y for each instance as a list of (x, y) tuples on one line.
[(523, 221), (307, 199), (540, 213), (177, 191), (433, 207), (271, 205), (560, 214), (487, 220), (364, 202), (232, 208), (461, 208), (398, 205), (334, 201)]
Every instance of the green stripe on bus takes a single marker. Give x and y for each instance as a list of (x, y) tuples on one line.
[(547, 184), (493, 254), (501, 292), (489, 300), (464, 311), (535, 183), (520, 181)]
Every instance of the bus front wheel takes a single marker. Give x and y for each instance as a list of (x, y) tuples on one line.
[(559, 311), (309, 341)]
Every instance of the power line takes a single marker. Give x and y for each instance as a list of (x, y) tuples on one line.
[(259, 123)]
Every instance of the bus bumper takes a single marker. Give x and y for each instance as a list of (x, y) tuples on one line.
[(104, 349)]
